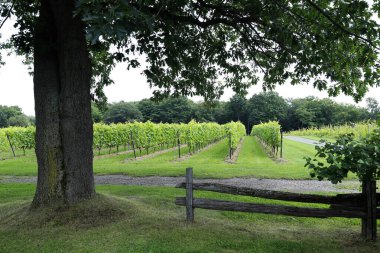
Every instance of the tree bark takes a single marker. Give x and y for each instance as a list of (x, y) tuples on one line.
[(62, 81)]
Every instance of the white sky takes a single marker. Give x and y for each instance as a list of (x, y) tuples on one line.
[(16, 85)]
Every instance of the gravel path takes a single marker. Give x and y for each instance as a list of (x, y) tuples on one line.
[(269, 184), (302, 140)]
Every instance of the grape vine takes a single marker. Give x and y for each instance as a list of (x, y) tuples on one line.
[(269, 134), (142, 137)]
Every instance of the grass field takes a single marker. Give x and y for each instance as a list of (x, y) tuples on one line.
[(210, 163), (144, 219)]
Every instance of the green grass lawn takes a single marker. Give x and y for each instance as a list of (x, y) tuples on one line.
[(145, 219), (252, 162)]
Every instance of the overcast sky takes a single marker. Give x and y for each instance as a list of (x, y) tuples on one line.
[(16, 85)]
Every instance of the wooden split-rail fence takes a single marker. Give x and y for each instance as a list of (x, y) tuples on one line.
[(357, 205)]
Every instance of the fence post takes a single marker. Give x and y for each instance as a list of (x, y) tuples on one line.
[(282, 136), (230, 144), (179, 148), (10, 144), (133, 145), (189, 195), (369, 225)]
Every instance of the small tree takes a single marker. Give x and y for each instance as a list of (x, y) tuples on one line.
[(361, 157)]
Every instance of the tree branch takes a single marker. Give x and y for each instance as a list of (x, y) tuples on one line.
[(8, 14), (339, 26)]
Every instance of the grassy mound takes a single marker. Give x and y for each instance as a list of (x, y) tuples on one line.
[(99, 211)]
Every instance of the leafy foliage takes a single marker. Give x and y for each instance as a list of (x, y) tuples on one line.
[(13, 116), (335, 160), (235, 132), (21, 137), (237, 107), (198, 135), (167, 110), (191, 45), (373, 108), (266, 106), (313, 112), (122, 112), (269, 133), (360, 130), (4, 146), (19, 120), (150, 135)]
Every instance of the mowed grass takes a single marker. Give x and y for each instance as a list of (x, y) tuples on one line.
[(210, 163), (145, 219)]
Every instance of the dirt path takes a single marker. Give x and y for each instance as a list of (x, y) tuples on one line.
[(269, 184), (302, 140)]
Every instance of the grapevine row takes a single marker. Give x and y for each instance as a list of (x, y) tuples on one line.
[(235, 132), (137, 135), (359, 130), (269, 134), (17, 138)]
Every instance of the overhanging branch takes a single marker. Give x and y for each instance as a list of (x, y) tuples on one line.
[(339, 26), (8, 14)]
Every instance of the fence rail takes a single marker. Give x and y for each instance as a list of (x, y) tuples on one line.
[(356, 199), (360, 205)]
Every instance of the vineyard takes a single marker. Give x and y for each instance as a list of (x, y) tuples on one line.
[(359, 130), (137, 136), (17, 138), (269, 134)]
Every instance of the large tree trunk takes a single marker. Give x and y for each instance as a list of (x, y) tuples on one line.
[(62, 75)]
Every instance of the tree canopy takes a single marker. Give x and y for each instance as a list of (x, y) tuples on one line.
[(122, 112), (266, 106), (201, 47), (13, 116)]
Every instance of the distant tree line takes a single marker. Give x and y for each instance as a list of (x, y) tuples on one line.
[(13, 116), (262, 107), (265, 106)]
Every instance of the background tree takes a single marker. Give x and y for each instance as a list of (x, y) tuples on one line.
[(3, 120), (237, 108), (122, 112), (96, 113), (149, 110), (349, 114), (170, 110), (314, 112), (176, 110), (19, 120), (205, 112), (299, 115), (266, 106), (373, 108), (188, 45), (13, 116)]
